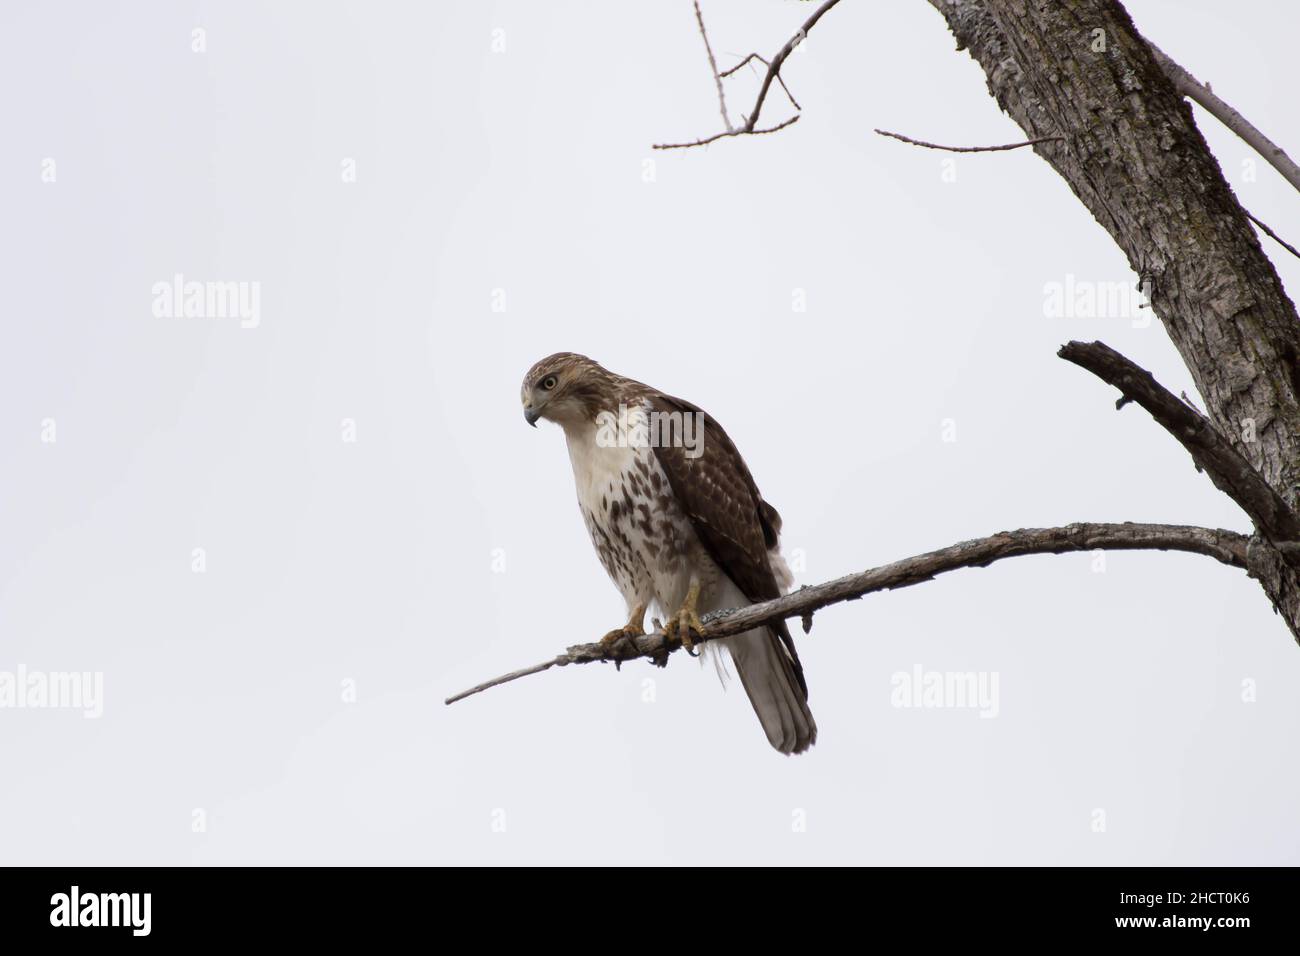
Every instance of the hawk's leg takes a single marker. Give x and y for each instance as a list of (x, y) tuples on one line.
[(634, 628), (686, 620)]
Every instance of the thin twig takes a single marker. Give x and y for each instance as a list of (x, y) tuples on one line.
[(1227, 547), (713, 66), (1276, 238), (559, 661), (970, 149), (734, 132)]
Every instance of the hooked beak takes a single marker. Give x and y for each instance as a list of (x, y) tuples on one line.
[(531, 414)]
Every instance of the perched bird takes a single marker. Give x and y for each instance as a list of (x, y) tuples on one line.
[(677, 521)]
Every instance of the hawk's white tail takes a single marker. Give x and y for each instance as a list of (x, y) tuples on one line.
[(767, 674)]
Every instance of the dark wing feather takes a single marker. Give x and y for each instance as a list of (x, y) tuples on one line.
[(735, 524)]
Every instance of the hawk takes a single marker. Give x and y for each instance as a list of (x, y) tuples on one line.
[(678, 522)]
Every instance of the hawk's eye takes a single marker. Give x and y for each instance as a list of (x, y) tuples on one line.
[(548, 383)]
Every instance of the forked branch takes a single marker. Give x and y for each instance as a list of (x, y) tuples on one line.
[(750, 126)]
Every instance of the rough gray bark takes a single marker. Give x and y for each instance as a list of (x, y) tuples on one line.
[(1133, 156)]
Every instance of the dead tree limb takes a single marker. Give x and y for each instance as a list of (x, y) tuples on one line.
[(1231, 473), (1227, 547)]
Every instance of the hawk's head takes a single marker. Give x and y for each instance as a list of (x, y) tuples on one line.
[(566, 388)]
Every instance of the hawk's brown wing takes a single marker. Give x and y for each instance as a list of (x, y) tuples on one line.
[(732, 520)]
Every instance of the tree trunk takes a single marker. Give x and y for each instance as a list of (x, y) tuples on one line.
[(1133, 155)]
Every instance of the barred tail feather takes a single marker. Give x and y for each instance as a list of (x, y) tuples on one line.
[(769, 678)]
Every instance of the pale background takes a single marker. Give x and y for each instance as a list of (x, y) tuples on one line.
[(524, 170)]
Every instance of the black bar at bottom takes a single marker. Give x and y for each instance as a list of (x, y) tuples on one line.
[(210, 905)]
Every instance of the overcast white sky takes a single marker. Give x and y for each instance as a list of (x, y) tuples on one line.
[(501, 157)]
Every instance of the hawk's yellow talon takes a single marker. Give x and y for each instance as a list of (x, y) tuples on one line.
[(686, 620), (627, 631), (634, 628)]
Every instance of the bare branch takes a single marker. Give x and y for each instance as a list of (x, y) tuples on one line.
[(773, 73), (734, 132), (1275, 237), (1231, 473), (559, 661), (713, 66), (1190, 87), (774, 68), (1227, 547), (970, 149)]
